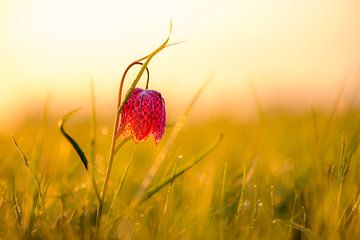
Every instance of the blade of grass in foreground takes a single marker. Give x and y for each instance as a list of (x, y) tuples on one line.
[(121, 184), (79, 151), (170, 179), (41, 132), (71, 140), (295, 226), (92, 166), (27, 164), (16, 203)]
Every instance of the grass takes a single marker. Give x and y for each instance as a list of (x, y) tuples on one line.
[(288, 178), (284, 176)]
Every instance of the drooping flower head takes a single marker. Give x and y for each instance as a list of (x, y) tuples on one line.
[(143, 115)]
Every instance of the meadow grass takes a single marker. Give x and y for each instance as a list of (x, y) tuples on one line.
[(284, 176), (290, 176)]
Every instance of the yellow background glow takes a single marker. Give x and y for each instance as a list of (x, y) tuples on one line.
[(295, 52)]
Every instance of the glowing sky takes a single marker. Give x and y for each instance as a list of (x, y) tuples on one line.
[(294, 51)]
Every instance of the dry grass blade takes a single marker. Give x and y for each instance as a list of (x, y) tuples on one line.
[(16, 204), (171, 178), (27, 164), (71, 140), (294, 225), (242, 193), (42, 128)]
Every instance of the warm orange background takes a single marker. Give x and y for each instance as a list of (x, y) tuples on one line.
[(296, 53)]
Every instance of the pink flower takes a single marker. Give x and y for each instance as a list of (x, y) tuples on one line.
[(143, 115)]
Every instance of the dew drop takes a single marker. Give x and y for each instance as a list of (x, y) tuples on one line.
[(104, 131)]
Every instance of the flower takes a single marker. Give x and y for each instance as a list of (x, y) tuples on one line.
[(143, 115)]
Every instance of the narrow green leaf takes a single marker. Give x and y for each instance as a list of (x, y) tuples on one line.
[(171, 178), (242, 193), (71, 140), (27, 164), (121, 184), (144, 66)]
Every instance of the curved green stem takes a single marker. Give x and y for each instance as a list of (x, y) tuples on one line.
[(124, 76)]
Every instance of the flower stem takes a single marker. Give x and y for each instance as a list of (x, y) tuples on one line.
[(113, 151)]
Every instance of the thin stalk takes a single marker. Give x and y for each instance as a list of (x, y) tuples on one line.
[(113, 148), (223, 183), (27, 164), (242, 193), (292, 216), (123, 80), (121, 184), (93, 142), (107, 176), (16, 203)]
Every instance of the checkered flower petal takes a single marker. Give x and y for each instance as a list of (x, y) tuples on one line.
[(143, 115)]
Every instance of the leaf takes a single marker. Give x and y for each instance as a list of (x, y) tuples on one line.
[(121, 184), (171, 178), (27, 163), (143, 68), (71, 140)]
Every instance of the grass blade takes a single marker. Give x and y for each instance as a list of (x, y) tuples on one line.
[(16, 204), (143, 68), (242, 193), (92, 166), (121, 184), (71, 140), (170, 179), (27, 164)]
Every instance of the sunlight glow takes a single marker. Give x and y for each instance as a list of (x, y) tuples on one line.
[(288, 48)]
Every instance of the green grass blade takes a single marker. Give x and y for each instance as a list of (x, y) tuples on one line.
[(71, 140), (295, 226), (92, 166), (27, 164), (16, 203), (224, 183), (121, 184), (242, 193), (183, 170), (144, 66), (41, 132)]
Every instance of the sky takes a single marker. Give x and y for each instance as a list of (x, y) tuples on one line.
[(295, 54)]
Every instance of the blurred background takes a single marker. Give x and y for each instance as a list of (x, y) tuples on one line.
[(289, 55)]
